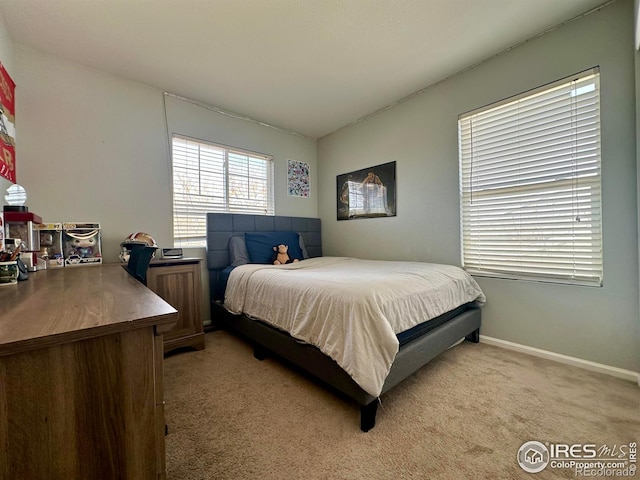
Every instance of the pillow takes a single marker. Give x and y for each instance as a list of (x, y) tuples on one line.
[(238, 251), (260, 245), (303, 249)]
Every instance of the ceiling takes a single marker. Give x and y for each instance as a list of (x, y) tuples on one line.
[(308, 66)]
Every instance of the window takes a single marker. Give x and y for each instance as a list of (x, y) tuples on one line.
[(530, 185), (367, 199), (214, 178)]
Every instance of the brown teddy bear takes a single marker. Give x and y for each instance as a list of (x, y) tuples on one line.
[(282, 256)]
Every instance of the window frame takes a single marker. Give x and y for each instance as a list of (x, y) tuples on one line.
[(489, 245), (251, 173)]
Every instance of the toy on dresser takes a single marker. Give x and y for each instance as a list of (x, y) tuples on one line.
[(51, 252), (81, 243)]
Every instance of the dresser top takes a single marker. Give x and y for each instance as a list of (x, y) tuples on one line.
[(74, 303)]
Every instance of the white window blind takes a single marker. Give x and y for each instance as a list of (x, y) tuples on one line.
[(530, 185), (215, 178)]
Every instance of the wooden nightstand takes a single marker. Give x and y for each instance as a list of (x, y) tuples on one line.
[(177, 281)]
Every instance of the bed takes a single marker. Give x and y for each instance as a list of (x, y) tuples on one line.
[(399, 351)]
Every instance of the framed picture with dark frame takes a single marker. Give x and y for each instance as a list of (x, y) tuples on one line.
[(367, 193)]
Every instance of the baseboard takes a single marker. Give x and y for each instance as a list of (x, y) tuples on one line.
[(558, 357)]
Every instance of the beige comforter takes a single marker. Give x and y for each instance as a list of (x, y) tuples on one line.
[(350, 309)]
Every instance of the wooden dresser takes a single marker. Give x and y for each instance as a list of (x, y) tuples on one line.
[(178, 282), (81, 376)]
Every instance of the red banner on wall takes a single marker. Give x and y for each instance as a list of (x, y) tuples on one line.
[(7, 126)]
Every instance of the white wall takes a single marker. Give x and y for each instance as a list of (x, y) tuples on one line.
[(93, 147), (597, 324), (195, 121)]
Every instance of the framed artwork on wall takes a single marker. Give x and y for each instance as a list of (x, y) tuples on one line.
[(367, 193), (297, 179), (7, 126)]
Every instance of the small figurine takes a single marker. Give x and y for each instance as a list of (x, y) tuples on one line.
[(81, 245), (281, 256), (46, 242)]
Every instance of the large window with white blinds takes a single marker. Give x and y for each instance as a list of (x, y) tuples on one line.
[(214, 178), (530, 185)]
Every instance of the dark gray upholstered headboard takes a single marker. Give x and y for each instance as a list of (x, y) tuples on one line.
[(222, 226)]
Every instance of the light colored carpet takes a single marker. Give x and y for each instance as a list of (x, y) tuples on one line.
[(463, 416)]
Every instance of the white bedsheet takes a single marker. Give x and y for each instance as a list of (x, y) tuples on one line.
[(350, 309)]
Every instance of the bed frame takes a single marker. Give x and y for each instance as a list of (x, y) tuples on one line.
[(266, 339)]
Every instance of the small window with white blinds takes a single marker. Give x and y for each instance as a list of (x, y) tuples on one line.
[(214, 178), (530, 185)]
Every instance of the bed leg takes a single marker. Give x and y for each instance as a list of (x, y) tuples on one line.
[(474, 336), (368, 415), (259, 352)]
